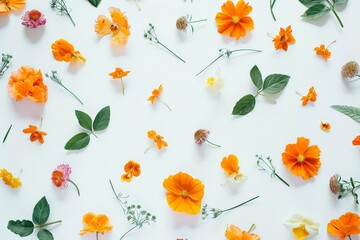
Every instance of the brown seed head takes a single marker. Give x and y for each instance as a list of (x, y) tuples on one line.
[(182, 23), (350, 69), (201, 136), (334, 184)]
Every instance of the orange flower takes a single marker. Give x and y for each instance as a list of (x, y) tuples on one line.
[(284, 38), (356, 141), (231, 167), (233, 21), (118, 27), (98, 223), (235, 233), (9, 179), (325, 126), (119, 73), (311, 96), (322, 51), (158, 139), (185, 193), (345, 226), (301, 159), (6, 6), (64, 51), (155, 94), (35, 134), (131, 168)]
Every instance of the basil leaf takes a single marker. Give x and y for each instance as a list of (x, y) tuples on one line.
[(77, 142), (84, 120), (274, 83), (22, 228), (102, 119), (352, 112), (41, 211), (316, 11), (95, 3), (338, 2), (310, 3), (256, 77), (245, 105), (44, 234)]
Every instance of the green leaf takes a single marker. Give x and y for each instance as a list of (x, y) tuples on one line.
[(22, 228), (44, 234), (102, 119), (316, 11), (245, 105), (274, 83), (256, 77), (7, 133), (77, 142), (41, 211), (309, 3), (349, 111), (338, 2), (95, 3), (84, 120)]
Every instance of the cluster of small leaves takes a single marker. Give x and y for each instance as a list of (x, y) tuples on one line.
[(101, 122), (95, 3), (352, 112), (348, 187), (62, 8), (319, 8), (40, 216), (267, 165), (134, 214), (272, 84), (5, 61)]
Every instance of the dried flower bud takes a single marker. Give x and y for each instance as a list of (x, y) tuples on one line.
[(201, 136), (182, 23), (334, 184), (350, 69)]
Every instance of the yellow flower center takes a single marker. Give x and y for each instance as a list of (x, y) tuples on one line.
[(34, 15), (235, 19), (300, 158), (184, 193), (210, 81)]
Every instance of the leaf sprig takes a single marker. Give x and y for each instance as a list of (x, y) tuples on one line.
[(5, 61), (40, 216), (272, 84), (266, 165), (101, 122), (62, 8), (319, 8)]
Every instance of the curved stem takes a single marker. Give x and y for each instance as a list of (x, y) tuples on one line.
[(272, 3), (210, 63), (77, 189), (213, 143), (240, 204), (171, 52), (71, 93), (128, 232), (151, 146), (123, 87), (47, 224), (331, 43), (165, 104)]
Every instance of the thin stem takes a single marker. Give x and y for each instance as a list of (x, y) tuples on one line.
[(97, 235), (210, 64), (123, 87), (245, 49), (151, 146), (213, 143), (252, 228), (171, 51), (240, 204), (137, 5), (336, 15), (165, 104), (47, 224), (331, 43), (299, 94), (128, 232), (349, 237), (94, 134), (71, 18), (272, 3), (71, 93), (201, 20), (77, 189), (7, 133), (281, 179)]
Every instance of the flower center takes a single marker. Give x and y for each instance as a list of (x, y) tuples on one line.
[(235, 19), (113, 27), (184, 193), (300, 158), (34, 15)]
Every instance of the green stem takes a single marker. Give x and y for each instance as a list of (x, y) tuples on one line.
[(210, 64), (240, 204), (171, 51), (245, 49), (165, 104), (97, 235), (128, 231), (201, 20), (252, 228), (281, 179), (272, 3), (213, 143), (47, 224), (94, 134), (71, 93), (137, 5), (336, 15), (7, 133), (77, 189), (349, 237)]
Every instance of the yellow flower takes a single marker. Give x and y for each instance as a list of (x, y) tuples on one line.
[(9, 179), (302, 226), (216, 82)]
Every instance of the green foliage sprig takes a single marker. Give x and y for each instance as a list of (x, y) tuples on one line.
[(342, 188), (62, 8), (266, 165), (95, 3), (319, 8), (352, 112), (40, 216), (101, 122), (134, 213), (5, 61), (272, 84), (7, 133)]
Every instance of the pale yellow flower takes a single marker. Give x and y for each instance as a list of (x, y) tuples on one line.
[(216, 82), (302, 226)]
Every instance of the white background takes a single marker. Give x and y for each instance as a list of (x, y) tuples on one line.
[(266, 130)]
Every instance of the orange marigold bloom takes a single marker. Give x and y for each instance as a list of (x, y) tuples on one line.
[(158, 139), (325, 126), (28, 82), (185, 193), (322, 51), (9, 179), (35, 134), (301, 159), (98, 223), (119, 73), (131, 168), (311, 96), (233, 21), (347, 225), (118, 27), (155, 94), (231, 167), (65, 51), (356, 141), (284, 38), (235, 233), (7, 5)]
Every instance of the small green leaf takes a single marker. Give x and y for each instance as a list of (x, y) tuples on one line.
[(77, 142), (84, 120), (245, 105), (102, 119), (22, 228), (338, 2), (352, 112), (7, 133), (256, 77), (41, 211), (44, 234), (309, 3), (316, 11), (274, 83), (95, 3)]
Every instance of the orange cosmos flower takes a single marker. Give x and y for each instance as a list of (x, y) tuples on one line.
[(311, 96), (98, 223), (28, 82), (35, 134), (9, 179), (65, 51), (347, 225), (118, 27), (155, 94), (356, 141), (235, 233), (284, 38), (7, 5), (233, 21), (185, 193), (322, 51), (301, 159), (119, 73), (325, 126), (231, 167), (131, 168), (158, 139)]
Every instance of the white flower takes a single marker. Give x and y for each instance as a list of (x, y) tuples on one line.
[(302, 226), (216, 82)]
